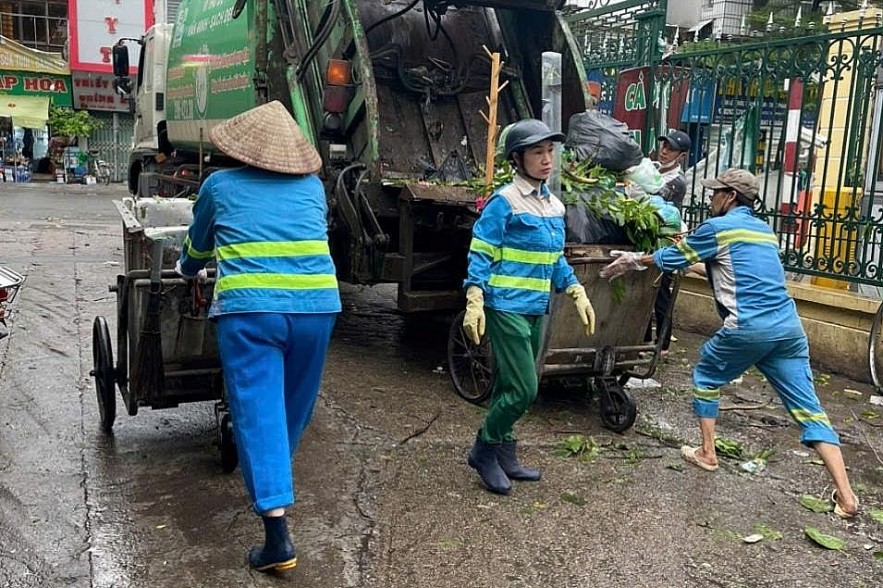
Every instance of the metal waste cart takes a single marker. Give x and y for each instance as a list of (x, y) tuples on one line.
[(605, 361), (166, 351)]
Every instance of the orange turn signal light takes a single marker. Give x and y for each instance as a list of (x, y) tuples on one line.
[(339, 72)]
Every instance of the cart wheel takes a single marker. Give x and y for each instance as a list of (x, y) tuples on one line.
[(618, 409), (470, 365), (104, 373), (229, 457)]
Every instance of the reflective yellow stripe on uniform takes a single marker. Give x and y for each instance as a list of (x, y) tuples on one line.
[(273, 249), (801, 415), (536, 284), (707, 395), (745, 236), (479, 246), (534, 257), (687, 251), (193, 252), (277, 281)]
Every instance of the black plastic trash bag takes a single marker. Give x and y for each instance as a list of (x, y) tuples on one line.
[(602, 140), (582, 226)]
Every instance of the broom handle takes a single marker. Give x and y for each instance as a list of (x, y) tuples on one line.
[(156, 249)]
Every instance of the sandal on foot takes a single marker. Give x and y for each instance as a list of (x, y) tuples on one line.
[(689, 455), (839, 511)]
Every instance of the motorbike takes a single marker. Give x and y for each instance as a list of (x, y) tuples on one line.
[(10, 282), (98, 168)]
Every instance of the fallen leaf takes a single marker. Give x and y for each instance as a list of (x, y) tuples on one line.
[(678, 467), (753, 538), (826, 541), (876, 514), (878, 555), (815, 504), (767, 532), (573, 499)]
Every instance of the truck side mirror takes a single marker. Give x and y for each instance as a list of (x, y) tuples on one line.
[(122, 85), (120, 57)]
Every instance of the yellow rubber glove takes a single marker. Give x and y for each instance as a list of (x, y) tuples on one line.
[(473, 321), (583, 307)]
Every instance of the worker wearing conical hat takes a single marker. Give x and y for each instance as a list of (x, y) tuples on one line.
[(276, 300)]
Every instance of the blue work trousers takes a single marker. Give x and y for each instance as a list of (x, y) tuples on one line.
[(784, 363), (272, 370)]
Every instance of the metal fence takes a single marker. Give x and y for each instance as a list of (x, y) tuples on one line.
[(113, 139), (803, 113)]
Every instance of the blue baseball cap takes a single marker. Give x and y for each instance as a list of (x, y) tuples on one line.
[(677, 140)]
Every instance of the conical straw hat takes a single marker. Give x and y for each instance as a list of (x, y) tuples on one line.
[(267, 137)]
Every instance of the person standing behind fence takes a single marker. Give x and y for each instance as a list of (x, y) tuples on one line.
[(761, 325), (515, 258), (673, 150), (276, 301)]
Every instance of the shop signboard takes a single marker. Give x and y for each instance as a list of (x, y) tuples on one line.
[(636, 100), (19, 83), (16, 57), (97, 25), (94, 91)]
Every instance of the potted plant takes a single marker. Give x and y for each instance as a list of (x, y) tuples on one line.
[(67, 126)]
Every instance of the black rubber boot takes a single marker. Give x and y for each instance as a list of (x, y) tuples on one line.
[(278, 553), (483, 459), (508, 460)]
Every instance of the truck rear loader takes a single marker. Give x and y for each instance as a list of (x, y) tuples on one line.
[(391, 94)]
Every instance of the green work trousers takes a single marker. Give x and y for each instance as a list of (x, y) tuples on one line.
[(515, 340)]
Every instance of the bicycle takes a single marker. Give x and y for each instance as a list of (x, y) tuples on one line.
[(98, 168), (875, 351)]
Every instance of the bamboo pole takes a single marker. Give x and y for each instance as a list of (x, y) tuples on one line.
[(491, 119)]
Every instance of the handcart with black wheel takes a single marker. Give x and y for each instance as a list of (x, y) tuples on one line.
[(604, 362), (166, 351)]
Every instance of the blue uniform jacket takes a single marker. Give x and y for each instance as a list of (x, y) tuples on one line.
[(517, 249), (741, 255), (268, 232)]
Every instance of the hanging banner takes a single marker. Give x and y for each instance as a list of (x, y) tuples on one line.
[(19, 83), (94, 91), (17, 57), (97, 25), (26, 111)]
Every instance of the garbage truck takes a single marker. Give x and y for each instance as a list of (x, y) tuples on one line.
[(391, 93)]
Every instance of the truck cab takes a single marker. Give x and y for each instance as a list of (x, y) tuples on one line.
[(150, 139)]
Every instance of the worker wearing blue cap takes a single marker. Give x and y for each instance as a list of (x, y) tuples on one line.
[(673, 150)]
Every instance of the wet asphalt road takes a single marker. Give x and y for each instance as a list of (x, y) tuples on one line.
[(384, 498)]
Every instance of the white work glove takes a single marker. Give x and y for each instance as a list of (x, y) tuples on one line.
[(473, 320), (626, 261), (583, 307), (201, 275)]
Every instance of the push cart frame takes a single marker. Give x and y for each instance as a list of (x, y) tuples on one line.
[(191, 370), (606, 360)]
